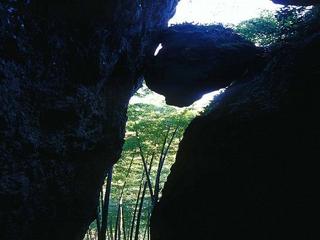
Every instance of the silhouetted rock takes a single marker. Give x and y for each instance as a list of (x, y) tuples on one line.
[(67, 72), (195, 60), (248, 168)]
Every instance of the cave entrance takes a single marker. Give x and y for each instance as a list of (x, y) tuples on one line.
[(155, 129)]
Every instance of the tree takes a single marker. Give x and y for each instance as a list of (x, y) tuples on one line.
[(263, 30), (153, 133), (271, 27)]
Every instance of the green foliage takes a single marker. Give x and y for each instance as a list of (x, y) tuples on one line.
[(149, 126), (298, 21), (270, 27), (289, 18), (263, 30), (151, 122)]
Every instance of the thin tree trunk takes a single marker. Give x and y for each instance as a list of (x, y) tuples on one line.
[(164, 142), (146, 231), (121, 221), (123, 224), (136, 208), (128, 172), (142, 199), (140, 211), (117, 224), (117, 233), (157, 181), (145, 167), (160, 166), (105, 207)]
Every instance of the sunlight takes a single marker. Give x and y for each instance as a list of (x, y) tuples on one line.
[(152, 97), (158, 49), (220, 11), (206, 99)]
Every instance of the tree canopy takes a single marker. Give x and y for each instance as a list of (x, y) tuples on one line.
[(270, 27)]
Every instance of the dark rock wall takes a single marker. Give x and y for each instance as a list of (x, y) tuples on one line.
[(248, 168), (67, 71)]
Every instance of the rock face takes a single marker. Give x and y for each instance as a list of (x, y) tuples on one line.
[(248, 168), (195, 60), (67, 71)]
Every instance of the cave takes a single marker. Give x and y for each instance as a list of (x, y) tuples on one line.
[(67, 72)]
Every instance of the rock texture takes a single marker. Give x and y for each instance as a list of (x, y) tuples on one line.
[(67, 71), (195, 60), (248, 168)]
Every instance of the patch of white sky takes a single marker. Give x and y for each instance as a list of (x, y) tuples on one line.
[(220, 11), (227, 12)]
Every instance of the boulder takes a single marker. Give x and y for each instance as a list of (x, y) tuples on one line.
[(195, 60)]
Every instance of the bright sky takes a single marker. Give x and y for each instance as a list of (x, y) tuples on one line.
[(159, 100), (224, 11), (212, 11)]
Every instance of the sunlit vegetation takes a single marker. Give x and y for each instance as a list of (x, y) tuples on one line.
[(263, 30), (152, 137), (271, 27)]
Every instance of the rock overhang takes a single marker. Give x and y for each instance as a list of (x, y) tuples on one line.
[(196, 59)]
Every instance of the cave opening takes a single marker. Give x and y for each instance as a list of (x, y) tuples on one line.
[(67, 72), (154, 129)]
